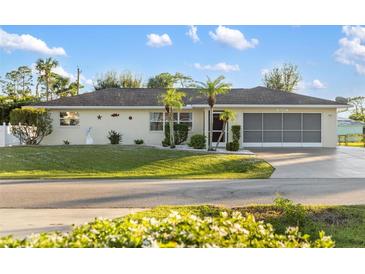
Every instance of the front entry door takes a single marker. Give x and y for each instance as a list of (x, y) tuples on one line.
[(217, 129)]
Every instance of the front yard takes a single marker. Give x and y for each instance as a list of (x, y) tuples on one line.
[(283, 224), (117, 161)]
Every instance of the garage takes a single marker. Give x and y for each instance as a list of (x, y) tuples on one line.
[(282, 129)]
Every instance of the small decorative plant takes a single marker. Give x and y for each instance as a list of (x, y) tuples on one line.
[(197, 141), (66, 142), (236, 135), (139, 141), (114, 137)]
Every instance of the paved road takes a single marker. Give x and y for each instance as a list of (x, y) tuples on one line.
[(23, 222), (149, 193)]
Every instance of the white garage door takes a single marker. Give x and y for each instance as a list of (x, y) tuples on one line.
[(282, 129)]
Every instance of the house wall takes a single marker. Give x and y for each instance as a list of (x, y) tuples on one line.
[(349, 129), (137, 128)]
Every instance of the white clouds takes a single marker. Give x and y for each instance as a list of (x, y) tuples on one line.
[(264, 71), (352, 48), (12, 41), (355, 31), (233, 38), (61, 71), (193, 34), (158, 41), (317, 84), (305, 86), (222, 66)]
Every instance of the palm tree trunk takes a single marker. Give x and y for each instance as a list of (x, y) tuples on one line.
[(210, 139), (47, 90), (221, 135), (36, 90), (171, 126)]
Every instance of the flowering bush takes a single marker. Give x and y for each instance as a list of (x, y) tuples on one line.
[(175, 230)]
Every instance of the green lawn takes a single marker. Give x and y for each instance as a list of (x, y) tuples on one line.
[(108, 161), (346, 224), (354, 144)]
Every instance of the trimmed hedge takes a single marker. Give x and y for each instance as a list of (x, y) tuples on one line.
[(197, 141), (180, 134), (175, 230), (236, 135)]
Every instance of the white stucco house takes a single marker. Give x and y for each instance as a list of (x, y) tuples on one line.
[(268, 118)]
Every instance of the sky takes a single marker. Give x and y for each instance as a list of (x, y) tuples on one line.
[(331, 59)]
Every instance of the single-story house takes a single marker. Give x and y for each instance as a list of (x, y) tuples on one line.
[(346, 126), (268, 118)]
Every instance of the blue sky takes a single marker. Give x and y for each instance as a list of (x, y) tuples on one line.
[(330, 58)]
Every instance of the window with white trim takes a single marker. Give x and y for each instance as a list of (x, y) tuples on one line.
[(69, 118), (184, 118), (156, 121)]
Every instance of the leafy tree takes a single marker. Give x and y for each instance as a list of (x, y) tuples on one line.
[(285, 78), (12, 83), (358, 117), (358, 102), (172, 100), (62, 87), (129, 80), (212, 88), (225, 116), (166, 80), (26, 81), (112, 79), (30, 125), (44, 68)]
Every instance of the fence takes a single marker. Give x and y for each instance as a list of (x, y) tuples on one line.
[(6, 138), (351, 138)]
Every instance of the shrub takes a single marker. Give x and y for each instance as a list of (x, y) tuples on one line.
[(293, 213), (197, 141), (232, 146), (139, 141), (114, 137), (236, 133), (66, 142), (30, 125), (175, 230), (180, 134)]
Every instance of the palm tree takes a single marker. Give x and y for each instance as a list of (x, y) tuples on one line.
[(44, 68), (172, 99), (225, 116), (212, 88)]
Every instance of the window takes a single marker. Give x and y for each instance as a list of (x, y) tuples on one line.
[(156, 121), (186, 118), (158, 118), (69, 118)]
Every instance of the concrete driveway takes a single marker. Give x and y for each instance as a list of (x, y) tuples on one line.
[(340, 162)]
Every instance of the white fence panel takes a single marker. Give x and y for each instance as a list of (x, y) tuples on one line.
[(6, 138)]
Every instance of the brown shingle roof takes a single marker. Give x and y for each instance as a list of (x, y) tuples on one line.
[(150, 97)]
